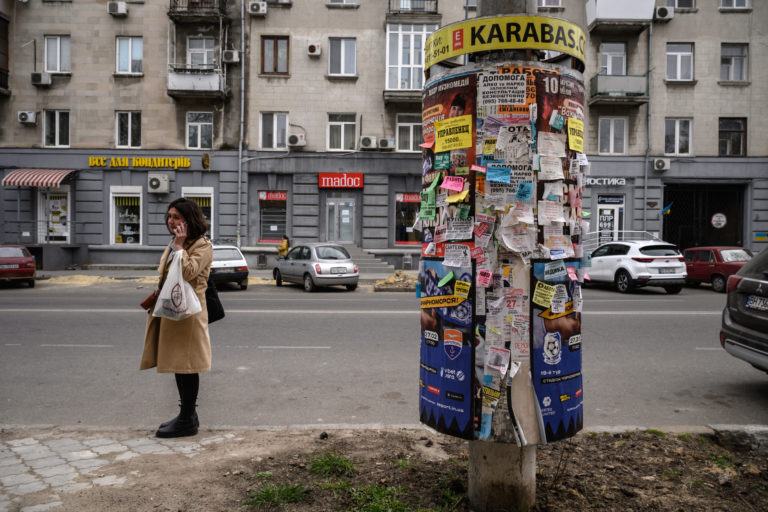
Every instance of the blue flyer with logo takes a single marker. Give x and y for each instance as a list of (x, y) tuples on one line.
[(445, 373)]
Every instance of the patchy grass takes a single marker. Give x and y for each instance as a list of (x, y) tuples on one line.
[(272, 496), (331, 464)]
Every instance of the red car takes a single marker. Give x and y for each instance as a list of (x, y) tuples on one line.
[(714, 264), (16, 264)]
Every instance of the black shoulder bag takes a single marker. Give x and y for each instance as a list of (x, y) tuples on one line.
[(212, 302)]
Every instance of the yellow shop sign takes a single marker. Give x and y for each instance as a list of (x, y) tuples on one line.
[(151, 162)]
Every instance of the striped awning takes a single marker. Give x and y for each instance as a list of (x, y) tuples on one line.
[(36, 177)]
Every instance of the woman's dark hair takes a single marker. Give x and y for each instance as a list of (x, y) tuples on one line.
[(196, 223)]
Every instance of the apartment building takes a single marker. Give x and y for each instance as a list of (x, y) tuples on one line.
[(303, 117)]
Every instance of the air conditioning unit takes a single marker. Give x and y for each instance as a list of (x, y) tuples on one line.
[(367, 142), (314, 49), (27, 117), (297, 140), (661, 164), (41, 79), (231, 56), (117, 8), (158, 183), (386, 143), (257, 8), (663, 13)]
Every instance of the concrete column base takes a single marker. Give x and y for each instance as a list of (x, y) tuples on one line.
[(502, 477)]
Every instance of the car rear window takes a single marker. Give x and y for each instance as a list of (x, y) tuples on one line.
[(226, 254), (13, 252), (757, 266), (659, 250), (332, 252), (735, 255)]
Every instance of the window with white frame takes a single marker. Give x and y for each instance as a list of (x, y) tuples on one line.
[(128, 130), (200, 52), (549, 3), (677, 136), (348, 2), (342, 57), (734, 4), (274, 130), (405, 54), (203, 197), (125, 215), (613, 59), (733, 62), (130, 52), (200, 130), (408, 132), (341, 131), (57, 57), (56, 128), (680, 61), (682, 4), (612, 135), (732, 137)]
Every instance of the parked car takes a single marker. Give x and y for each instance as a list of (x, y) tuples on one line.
[(744, 330), (714, 265), (17, 264), (634, 264), (317, 264), (229, 265)]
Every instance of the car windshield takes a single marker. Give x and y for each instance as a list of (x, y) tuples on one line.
[(660, 250), (226, 254), (12, 252), (735, 255), (332, 252)]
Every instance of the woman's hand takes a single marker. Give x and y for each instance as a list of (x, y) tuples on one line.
[(180, 236)]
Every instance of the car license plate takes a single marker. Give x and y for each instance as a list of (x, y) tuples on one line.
[(223, 270), (757, 302), (667, 270), (338, 270), (10, 265)]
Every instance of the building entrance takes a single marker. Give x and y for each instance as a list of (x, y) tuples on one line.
[(340, 219), (691, 209)]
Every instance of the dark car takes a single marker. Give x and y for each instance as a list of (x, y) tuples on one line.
[(17, 264), (229, 265), (317, 264), (744, 331), (714, 265)]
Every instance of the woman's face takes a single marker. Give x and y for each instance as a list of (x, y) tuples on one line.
[(174, 220)]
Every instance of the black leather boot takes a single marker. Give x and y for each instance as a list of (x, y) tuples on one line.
[(185, 424)]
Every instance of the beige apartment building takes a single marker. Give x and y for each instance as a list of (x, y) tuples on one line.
[(303, 118)]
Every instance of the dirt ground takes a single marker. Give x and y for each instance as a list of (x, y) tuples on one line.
[(411, 469)]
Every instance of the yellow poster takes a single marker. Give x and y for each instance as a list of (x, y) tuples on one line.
[(441, 301), (543, 294), (453, 133), (576, 134)]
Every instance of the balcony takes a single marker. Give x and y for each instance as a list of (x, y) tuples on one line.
[(412, 7), (196, 11), (627, 90), (193, 82), (612, 17)]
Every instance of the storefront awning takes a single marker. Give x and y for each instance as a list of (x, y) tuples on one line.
[(36, 177)]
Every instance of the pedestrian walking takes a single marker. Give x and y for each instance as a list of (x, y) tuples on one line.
[(182, 347), (285, 244)]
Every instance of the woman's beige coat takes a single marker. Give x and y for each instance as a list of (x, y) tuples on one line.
[(182, 346)]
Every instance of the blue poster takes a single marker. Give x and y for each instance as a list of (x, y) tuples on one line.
[(556, 351), (445, 372)]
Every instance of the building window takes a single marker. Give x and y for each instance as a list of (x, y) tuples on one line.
[(341, 131), (682, 4), (548, 3), (348, 2), (128, 130), (274, 55), (56, 128), (733, 62), (274, 128), (613, 59), (612, 135), (405, 55), (342, 59), (406, 209), (733, 136), (408, 132), (200, 130), (677, 136), (272, 215), (679, 61), (200, 52), (734, 4), (203, 197), (57, 54), (129, 54), (126, 215)]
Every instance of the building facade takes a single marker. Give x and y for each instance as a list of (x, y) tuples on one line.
[(303, 118)]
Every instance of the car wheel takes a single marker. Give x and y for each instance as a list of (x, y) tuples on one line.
[(673, 290), (351, 287), (243, 284), (278, 278), (718, 284), (31, 283), (623, 281), (309, 284)]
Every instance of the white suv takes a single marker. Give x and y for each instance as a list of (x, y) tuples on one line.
[(638, 263)]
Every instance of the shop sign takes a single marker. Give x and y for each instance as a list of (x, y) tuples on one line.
[(408, 198), (273, 195), (152, 162), (340, 180), (719, 220), (607, 181)]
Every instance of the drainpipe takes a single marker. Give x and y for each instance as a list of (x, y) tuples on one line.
[(648, 123), (242, 122)]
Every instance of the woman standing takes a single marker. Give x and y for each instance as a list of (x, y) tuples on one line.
[(285, 244), (182, 347)]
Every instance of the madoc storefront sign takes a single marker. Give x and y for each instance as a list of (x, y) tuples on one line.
[(340, 180)]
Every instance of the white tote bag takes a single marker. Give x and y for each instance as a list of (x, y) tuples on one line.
[(177, 299)]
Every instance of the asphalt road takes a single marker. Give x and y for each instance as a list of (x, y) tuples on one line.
[(69, 356)]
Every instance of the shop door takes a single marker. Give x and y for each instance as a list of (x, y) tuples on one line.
[(610, 217), (340, 219), (53, 215)]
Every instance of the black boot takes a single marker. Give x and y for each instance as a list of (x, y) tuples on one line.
[(186, 423)]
